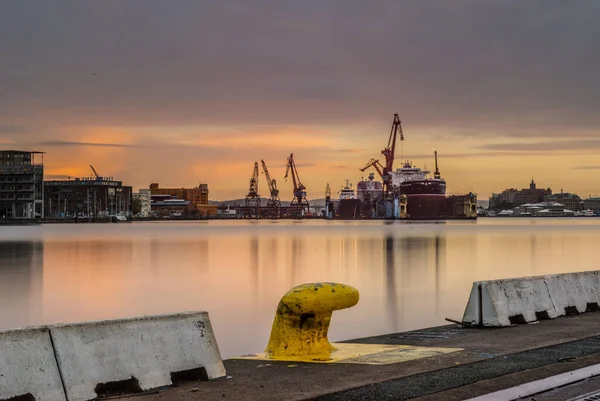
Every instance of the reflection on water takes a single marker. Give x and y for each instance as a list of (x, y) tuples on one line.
[(409, 275), (21, 291)]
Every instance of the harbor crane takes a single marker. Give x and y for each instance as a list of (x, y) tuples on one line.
[(273, 201), (299, 188), (389, 153), (95, 173), (376, 164), (436, 174), (253, 198), (328, 205)]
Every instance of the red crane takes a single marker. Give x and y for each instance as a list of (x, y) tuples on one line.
[(374, 163), (253, 198), (299, 188), (389, 152), (274, 199)]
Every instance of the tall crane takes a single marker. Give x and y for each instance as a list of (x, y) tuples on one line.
[(253, 198), (436, 174), (328, 204), (389, 152), (299, 188), (376, 164), (95, 173), (274, 199)]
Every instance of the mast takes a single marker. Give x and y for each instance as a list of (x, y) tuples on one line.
[(436, 174)]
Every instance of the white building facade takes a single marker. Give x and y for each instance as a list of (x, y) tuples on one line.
[(145, 200)]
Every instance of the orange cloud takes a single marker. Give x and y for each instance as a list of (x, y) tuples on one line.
[(223, 157)]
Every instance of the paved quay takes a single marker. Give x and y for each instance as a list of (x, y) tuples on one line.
[(490, 359)]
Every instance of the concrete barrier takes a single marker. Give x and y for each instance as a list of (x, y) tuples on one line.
[(28, 369), (527, 299), (135, 354)]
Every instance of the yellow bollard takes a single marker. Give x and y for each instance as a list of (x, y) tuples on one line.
[(302, 321)]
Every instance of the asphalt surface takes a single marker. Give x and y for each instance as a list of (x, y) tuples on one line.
[(492, 359), (438, 381)]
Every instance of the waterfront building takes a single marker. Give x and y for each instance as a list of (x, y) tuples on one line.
[(144, 198), (538, 209), (531, 194), (513, 197), (21, 184), (87, 197), (592, 204), (167, 206), (198, 196), (571, 201), (506, 197)]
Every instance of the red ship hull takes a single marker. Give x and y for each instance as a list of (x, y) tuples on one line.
[(349, 209), (433, 207), (426, 199)]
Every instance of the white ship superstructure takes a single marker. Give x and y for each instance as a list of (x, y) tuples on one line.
[(407, 172), (369, 189), (347, 192)]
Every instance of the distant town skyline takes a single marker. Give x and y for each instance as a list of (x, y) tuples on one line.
[(193, 91)]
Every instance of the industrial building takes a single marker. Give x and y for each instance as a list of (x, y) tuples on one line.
[(87, 197), (21, 184), (197, 196)]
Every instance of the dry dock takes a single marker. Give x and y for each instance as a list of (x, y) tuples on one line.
[(490, 360)]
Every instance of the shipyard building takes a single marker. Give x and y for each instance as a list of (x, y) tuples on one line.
[(197, 197), (87, 197), (21, 184)]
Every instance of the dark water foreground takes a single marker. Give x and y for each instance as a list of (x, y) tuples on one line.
[(409, 275)]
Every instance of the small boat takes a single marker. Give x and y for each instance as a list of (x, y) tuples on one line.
[(585, 213), (118, 217)]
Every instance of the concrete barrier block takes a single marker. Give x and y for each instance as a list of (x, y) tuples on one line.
[(573, 292), (140, 353), (27, 366), (525, 298), (567, 292), (522, 300), (591, 286), (473, 310), (494, 303)]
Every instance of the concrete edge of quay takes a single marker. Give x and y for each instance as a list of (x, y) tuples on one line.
[(492, 359)]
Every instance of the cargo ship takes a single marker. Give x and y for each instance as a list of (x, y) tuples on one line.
[(349, 206), (408, 192), (368, 191), (426, 199)]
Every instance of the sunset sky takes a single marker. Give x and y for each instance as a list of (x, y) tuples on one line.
[(182, 92)]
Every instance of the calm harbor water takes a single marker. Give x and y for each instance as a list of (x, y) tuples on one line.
[(409, 276)]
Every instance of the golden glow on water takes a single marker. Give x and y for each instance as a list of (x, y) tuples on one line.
[(409, 275)]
